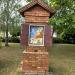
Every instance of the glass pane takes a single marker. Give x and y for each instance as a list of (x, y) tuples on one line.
[(36, 35)]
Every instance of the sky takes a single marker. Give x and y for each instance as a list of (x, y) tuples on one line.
[(23, 2)]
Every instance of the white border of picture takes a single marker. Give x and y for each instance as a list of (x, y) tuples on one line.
[(29, 34)]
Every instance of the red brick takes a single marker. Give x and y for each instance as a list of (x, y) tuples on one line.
[(34, 61), (37, 15)]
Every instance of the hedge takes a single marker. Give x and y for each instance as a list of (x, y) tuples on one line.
[(64, 41), (12, 39)]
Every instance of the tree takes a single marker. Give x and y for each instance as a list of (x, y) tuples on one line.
[(64, 18), (7, 13), (64, 15)]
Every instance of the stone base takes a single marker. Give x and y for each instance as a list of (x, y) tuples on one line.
[(34, 62)]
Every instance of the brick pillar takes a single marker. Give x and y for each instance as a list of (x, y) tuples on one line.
[(35, 59)]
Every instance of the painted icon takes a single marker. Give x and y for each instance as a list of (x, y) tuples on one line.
[(36, 35)]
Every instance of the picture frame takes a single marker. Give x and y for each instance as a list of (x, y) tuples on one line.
[(36, 35)]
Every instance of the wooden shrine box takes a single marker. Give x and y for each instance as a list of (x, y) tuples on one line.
[(36, 36)]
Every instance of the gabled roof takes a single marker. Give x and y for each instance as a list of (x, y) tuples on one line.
[(33, 3)]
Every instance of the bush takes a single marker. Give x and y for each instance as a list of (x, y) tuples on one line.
[(68, 38), (58, 40), (68, 35), (14, 39), (64, 41)]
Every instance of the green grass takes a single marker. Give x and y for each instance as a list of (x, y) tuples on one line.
[(61, 57), (9, 59)]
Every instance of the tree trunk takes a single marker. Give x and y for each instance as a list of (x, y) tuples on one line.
[(7, 23), (6, 37)]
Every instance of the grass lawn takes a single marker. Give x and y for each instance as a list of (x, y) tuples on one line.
[(9, 59), (61, 57)]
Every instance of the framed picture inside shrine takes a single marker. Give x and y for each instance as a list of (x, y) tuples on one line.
[(36, 35)]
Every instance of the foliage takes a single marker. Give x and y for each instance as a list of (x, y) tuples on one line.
[(69, 35), (63, 19), (64, 16), (58, 40), (14, 39), (15, 31), (9, 16)]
